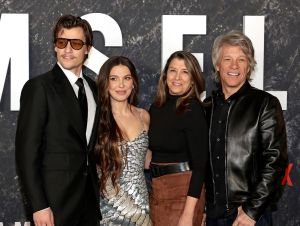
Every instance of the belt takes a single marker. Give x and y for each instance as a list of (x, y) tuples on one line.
[(161, 170)]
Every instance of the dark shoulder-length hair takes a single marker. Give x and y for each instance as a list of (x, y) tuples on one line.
[(198, 82), (109, 156), (70, 21)]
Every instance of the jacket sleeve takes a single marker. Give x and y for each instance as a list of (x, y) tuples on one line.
[(29, 143), (274, 159)]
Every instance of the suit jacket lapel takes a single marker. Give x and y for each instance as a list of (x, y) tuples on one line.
[(93, 87), (69, 101)]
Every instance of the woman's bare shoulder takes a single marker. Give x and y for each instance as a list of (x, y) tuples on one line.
[(145, 116)]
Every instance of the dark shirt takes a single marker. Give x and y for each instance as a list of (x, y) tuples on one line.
[(217, 139), (180, 137)]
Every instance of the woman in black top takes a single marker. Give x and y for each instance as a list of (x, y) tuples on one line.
[(178, 138)]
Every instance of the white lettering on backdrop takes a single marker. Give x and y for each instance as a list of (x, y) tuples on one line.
[(16, 48), (14, 36)]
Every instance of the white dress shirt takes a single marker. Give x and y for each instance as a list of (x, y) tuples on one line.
[(89, 96)]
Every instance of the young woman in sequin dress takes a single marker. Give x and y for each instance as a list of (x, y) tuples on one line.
[(122, 146)]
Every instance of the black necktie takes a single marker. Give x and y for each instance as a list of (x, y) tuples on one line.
[(82, 100)]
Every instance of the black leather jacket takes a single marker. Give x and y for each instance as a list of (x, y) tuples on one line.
[(255, 152)]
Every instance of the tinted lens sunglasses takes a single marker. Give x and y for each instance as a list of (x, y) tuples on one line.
[(76, 44)]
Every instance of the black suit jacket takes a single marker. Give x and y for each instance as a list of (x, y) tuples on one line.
[(51, 147)]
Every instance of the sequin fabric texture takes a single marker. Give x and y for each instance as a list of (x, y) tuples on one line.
[(130, 206)]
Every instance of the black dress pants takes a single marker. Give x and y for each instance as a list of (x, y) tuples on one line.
[(90, 208), (264, 220)]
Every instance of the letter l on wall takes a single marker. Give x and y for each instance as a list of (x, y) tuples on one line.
[(14, 36), (254, 28)]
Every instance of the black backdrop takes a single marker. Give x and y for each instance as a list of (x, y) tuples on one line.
[(141, 24)]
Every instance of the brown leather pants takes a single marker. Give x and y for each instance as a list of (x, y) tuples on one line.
[(168, 197)]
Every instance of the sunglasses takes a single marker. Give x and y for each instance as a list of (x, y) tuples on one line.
[(76, 44)]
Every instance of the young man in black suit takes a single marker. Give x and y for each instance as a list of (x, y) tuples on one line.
[(56, 134)]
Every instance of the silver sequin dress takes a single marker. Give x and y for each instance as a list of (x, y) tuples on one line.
[(130, 206)]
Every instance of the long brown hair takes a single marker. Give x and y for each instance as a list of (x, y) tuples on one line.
[(109, 156), (195, 91)]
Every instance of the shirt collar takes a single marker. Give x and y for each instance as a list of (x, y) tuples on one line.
[(244, 89), (70, 75)]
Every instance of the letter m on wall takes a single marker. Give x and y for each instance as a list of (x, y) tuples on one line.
[(14, 38)]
